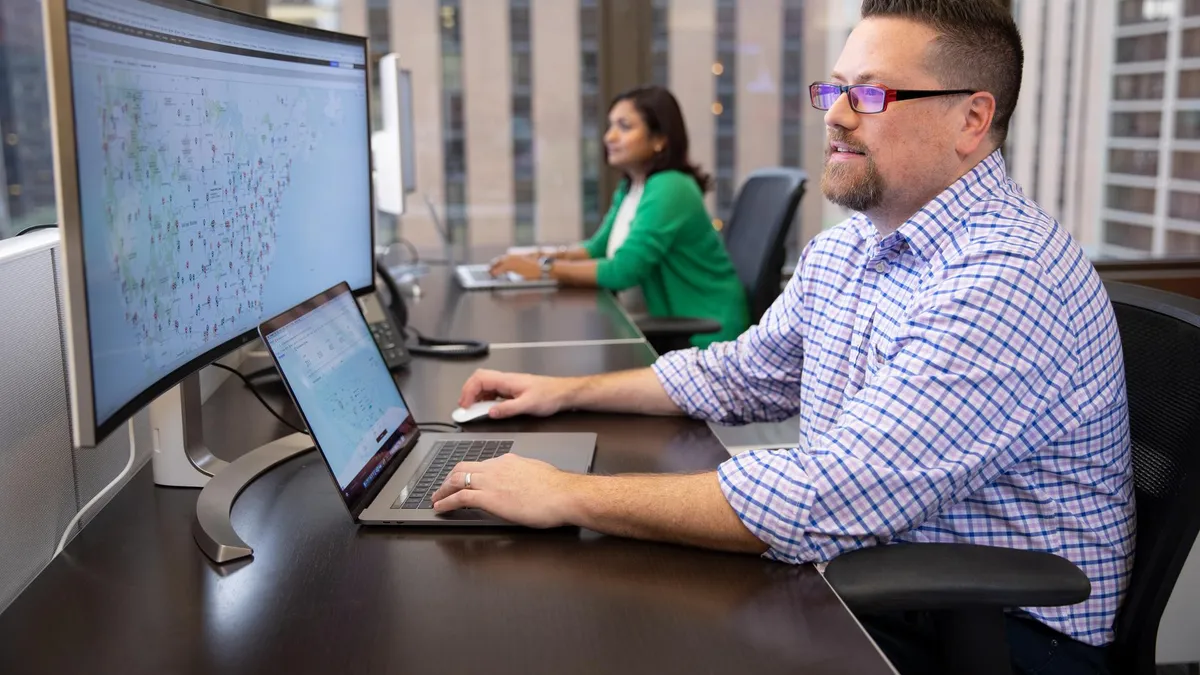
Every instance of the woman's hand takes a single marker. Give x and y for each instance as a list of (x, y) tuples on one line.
[(525, 265)]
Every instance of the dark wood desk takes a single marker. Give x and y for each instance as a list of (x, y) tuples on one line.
[(445, 310), (134, 594)]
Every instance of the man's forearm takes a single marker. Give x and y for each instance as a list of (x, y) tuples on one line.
[(681, 509), (630, 391)]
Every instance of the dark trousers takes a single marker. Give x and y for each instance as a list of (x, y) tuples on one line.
[(911, 642)]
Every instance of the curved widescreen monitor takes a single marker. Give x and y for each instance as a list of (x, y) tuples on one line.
[(213, 170)]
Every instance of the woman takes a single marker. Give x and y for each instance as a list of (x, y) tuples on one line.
[(657, 244)]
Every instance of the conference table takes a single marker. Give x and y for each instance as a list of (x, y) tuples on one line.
[(134, 594)]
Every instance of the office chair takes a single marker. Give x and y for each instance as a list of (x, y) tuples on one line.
[(754, 237), (967, 587)]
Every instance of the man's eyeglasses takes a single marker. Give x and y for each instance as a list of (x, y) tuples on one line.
[(869, 99)]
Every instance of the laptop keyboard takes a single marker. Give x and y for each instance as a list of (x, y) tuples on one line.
[(480, 274), (446, 455)]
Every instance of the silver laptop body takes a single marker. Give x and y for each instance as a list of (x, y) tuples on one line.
[(384, 467), (474, 277)]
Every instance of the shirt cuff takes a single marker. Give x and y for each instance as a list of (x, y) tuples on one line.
[(673, 372), (768, 492)]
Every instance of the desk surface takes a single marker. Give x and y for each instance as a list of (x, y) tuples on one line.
[(133, 593), (445, 310)]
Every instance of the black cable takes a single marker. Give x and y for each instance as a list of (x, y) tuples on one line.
[(457, 428), (31, 228), (453, 426), (422, 345), (416, 257), (254, 390)]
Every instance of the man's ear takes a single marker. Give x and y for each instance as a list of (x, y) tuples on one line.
[(979, 110)]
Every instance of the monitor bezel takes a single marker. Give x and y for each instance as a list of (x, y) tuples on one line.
[(86, 431)]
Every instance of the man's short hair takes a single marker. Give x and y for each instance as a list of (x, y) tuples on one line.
[(978, 47)]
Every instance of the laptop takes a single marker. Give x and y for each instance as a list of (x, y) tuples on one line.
[(384, 467), (473, 277)]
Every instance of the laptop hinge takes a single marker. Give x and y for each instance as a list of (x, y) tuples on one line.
[(373, 491)]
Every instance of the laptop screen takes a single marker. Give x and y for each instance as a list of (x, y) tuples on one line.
[(346, 394)]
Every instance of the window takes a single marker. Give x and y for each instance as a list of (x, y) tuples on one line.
[(1186, 165), (1142, 48), (1185, 205), (1133, 162), (1142, 11), (1183, 243), (1129, 87), (1187, 124), (1191, 42), (522, 70), (1136, 125), (1189, 84), (1139, 200), (1128, 235), (27, 169)]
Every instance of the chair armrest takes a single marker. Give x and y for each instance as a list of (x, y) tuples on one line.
[(670, 326), (954, 576)]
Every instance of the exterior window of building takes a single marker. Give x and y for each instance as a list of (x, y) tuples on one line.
[(1186, 165), (1143, 11), (1183, 243), (1139, 200), (1136, 124), (1133, 162), (1190, 40), (1138, 87), (725, 107), (454, 139), (1185, 206), (593, 122), (660, 43), (27, 170), (524, 147), (1128, 235), (1142, 48), (1187, 124), (794, 92)]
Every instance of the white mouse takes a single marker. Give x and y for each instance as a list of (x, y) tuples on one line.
[(473, 411)]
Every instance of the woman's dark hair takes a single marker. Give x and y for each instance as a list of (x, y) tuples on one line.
[(660, 111)]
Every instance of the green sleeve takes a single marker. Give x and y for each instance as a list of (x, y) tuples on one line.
[(669, 202), (597, 246)]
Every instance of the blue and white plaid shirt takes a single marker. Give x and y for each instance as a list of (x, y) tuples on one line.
[(959, 380)]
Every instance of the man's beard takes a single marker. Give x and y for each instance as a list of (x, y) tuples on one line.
[(853, 187)]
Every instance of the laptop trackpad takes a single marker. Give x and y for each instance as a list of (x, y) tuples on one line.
[(473, 515)]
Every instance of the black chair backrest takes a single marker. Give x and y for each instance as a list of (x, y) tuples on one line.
[(754, 236), (1160, 336)]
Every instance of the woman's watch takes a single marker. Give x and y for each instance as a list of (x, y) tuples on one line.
[(546, 263)]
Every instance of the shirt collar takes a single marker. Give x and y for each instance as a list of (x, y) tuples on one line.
[(927, 229)]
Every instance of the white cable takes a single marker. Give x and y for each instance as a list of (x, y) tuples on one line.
[(124, 472)]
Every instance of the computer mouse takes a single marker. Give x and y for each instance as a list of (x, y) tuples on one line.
[(472, 412), (513, 276)]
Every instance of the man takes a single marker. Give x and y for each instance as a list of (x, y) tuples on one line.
[(952, 355)]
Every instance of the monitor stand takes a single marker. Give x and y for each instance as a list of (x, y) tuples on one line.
[(181, 459)]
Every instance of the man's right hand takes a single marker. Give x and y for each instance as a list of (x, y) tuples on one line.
[(527, 394)]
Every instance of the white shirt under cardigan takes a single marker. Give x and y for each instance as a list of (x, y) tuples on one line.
[(631, 298)]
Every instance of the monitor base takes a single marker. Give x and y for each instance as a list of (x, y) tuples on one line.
[(180, 458), (211, 528)]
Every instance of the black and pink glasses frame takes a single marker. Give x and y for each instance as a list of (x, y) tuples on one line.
[(870, 99)]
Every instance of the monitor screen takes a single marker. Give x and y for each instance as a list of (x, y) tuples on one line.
[(223, 172), (343, 389)]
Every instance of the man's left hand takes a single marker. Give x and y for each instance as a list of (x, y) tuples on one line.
[(520, 490)]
